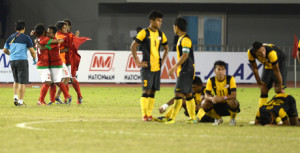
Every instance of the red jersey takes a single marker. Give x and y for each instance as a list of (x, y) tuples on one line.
[(65, 57), (43, 57), (54, 56)]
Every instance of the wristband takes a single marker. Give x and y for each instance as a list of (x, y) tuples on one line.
[(225, 97), (165, 106)]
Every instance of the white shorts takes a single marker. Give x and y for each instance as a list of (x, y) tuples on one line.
[(45, 75), (65, 72), (56, 74)]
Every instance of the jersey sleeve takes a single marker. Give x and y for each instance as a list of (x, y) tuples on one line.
[(209, 87), (45, 41), (164, 40), (29, 42), (140, 36), (186, 44), (273, 57), (250, 57), (282, 114), (232, 84), (299, 46), (6, 45)]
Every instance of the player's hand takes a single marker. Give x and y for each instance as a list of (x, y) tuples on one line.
[(142, 64), (217, 99), (60, 40), (161, 110), (172, 70), (77, 33), (278, 88), (34, 62), (32, 33), (263, 87)]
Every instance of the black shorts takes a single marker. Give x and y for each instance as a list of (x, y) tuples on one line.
[(269, 78), (150, 80), (184, 82), (222, 109), (292, 111), (20, 71)]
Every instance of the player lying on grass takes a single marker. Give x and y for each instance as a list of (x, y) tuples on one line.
[(281, 105), (220, 96), (198, 93)]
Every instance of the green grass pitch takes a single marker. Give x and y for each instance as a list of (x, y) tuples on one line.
[(109, 121)]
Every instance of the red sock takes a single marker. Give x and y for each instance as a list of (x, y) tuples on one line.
[(76, 87), (52, 92), (44, 91), (63, 89), (67, 87)]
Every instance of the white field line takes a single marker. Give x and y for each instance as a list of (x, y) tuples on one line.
[(26, 125)]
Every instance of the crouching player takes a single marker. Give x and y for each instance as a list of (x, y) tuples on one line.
[(224, 102), (198, 93), (55, 63), (281, 105)]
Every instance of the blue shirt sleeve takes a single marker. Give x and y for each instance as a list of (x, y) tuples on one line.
[(6, 45), (29, 42)]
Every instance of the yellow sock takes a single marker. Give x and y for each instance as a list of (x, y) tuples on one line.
[(201, 113), (262, 101), (190, 105), (150, 106), (169, 112), (144, 105), (176, 108), (212, 113), (232, 114)]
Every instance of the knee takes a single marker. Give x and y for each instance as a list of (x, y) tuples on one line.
[(233, 104), (206, 105)]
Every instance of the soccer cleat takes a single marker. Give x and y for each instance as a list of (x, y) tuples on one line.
[(232, 122), (218, 121), (68, 100), (79, 100), (51, 103), (160, 119), (170, 121), (150, 118), (191, 121), (21, 104), (58, 100), (41, 103), (16, 101), (145, 118)]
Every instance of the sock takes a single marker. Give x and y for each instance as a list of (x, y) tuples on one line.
[(232, 114), (262, 100), (151, 101), (169, 112), (212, 113), (16, 97), (52, 92), (44, 91), (20, 101), (63, 89), (190, 106), (176, 107), (144, 104), (67, 86), (201, 113), (77, 88)]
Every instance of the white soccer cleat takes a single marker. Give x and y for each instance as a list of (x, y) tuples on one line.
[(232, 122), (218, 121)]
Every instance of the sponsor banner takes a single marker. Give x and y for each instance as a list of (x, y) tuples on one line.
[(120, 67)]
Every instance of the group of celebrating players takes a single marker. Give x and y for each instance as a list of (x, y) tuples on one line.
[(218, 98)]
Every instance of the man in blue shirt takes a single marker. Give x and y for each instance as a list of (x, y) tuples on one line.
[(16, 46)]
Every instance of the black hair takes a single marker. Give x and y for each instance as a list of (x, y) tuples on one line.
[(20, 25), (265, 117), (69, 21), (39, 29), (220, 63), (53, 28), (60, 24), (138, 29), (197, 81), (181, 23), (256, 45), (155, 14)]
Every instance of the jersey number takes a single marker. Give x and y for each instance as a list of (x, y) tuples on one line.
[(145, 83)]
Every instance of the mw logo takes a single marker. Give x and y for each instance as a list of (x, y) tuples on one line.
[(131, 66), (102, 61)]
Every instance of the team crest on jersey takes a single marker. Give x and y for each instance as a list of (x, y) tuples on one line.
[(227, 86)]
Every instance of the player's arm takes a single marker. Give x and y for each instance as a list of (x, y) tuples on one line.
[(278, 77), (64, 50), (56, 41), (181, 60), (166, 49), (284, 117), (32, 52), (133, 47), (6, 51), (163, 108), (208, 92), (77, 33), (256, 122), (254, 68)]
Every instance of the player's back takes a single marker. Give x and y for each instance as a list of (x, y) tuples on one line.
[(43, 55)]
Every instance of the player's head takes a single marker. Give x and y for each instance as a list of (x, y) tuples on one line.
[(39, 30), (20, 25), (259, 49), (220, 69), (197, 84), (68, 23), (266, 117), (51, 31), (155, 18), (138, 29), (61, 26), (180, 24)]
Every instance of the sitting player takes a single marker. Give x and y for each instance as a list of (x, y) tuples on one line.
[(281, 105), (198, 92), (223, 102)]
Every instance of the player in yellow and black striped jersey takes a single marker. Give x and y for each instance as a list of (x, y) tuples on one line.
[(198, 94), (275, 69), (185, 72), (150, 39), (281, 105), (220, 97)]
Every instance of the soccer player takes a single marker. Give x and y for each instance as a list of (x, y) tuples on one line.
[(275, 69), (185, 72), (16, 46), (281, 105), (220, 97), (198, 94), (150, 39)]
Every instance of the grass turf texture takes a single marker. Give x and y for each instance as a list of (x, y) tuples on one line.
[(109, 120)]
